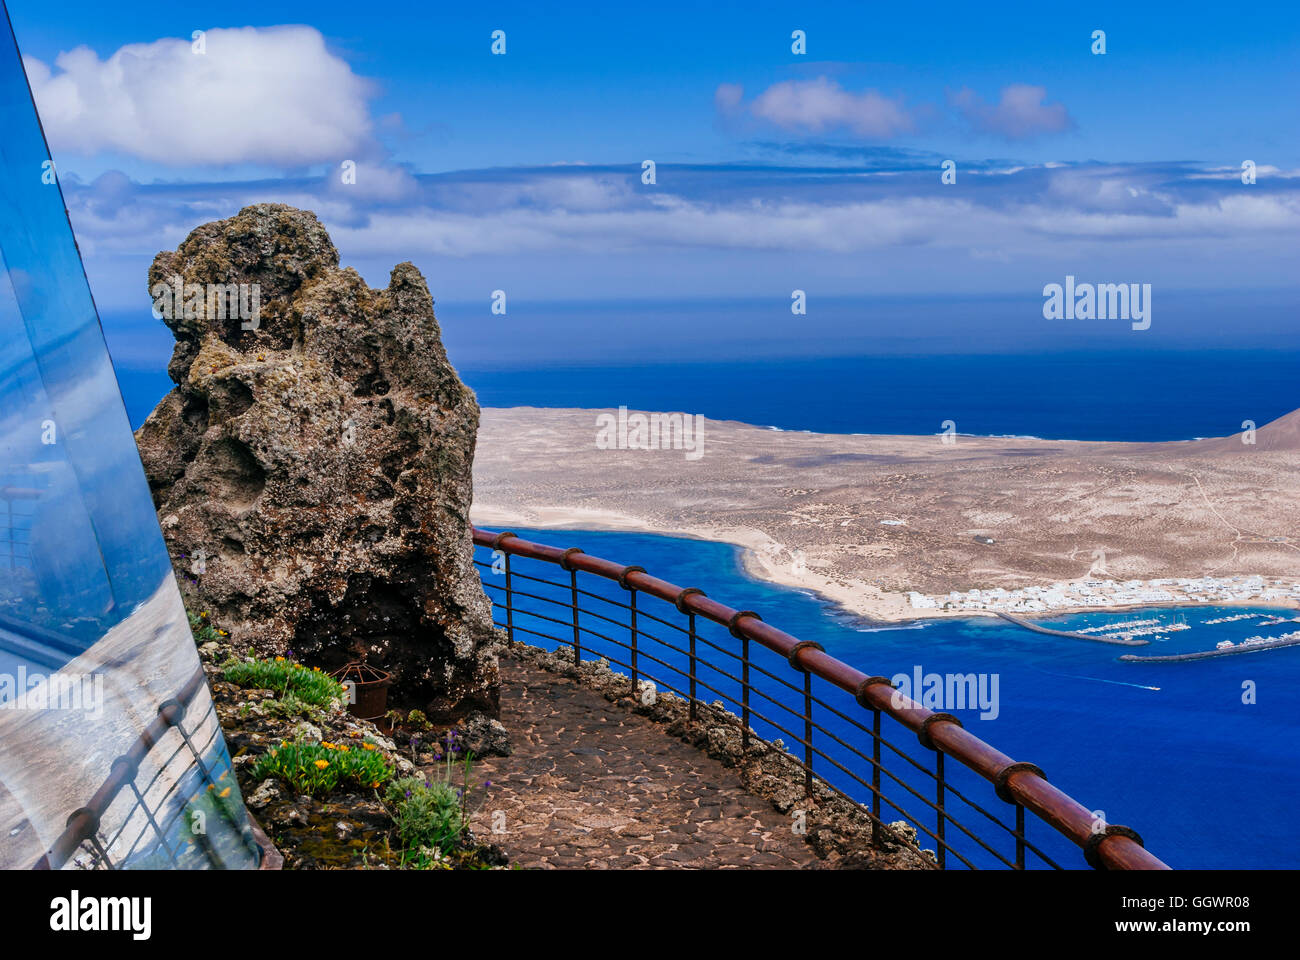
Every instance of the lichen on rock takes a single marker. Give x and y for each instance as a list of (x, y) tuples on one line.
[(312, 467)]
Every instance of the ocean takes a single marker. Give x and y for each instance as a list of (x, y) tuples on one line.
[(1083, 395), (1173, 751)]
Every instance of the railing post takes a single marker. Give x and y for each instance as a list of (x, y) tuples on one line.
[(573, 599), (1001, 788), (923, 735), (510, 604), (807, 735), (577, 639), (634, 673), (692, 636), (1020, 837), (622, 582), (680, 603), (796, 664), (875, 778), (942, 851), (744, 696), (734, 627)]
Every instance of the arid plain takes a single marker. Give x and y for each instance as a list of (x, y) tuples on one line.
[(863, 519)]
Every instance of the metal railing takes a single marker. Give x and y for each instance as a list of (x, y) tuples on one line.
[(189, 764), (839, 746)]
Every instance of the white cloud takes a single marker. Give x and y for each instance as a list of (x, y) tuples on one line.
[(271, 95), (1021, 112), (820, 105)]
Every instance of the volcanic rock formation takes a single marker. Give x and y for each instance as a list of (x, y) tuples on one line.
[(312, 466)]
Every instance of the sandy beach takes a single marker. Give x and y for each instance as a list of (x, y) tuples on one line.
[(863, 520)]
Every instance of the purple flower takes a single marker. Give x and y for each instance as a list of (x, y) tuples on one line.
[(408, 794)]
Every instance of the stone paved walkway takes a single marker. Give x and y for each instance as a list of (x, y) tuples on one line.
[(593, 785)]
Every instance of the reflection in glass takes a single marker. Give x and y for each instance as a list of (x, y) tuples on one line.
[(110, 751)]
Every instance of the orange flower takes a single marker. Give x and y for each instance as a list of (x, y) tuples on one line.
[(224, 793), (368, 746), (322, 764)]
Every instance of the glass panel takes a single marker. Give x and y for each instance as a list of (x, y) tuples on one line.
[(94, 640)]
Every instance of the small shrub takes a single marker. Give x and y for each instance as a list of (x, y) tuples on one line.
[(318, 768), (432, 813), (307, 685), (428, 813), (290, 705)]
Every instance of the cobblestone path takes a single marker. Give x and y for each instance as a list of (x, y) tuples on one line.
[(592, 785)]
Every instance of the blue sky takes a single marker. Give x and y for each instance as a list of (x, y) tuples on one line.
[(775, 171)]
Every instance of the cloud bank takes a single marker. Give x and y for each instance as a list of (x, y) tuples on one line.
[(735, 224)]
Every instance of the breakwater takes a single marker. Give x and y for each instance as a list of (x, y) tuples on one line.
[(1216, 652), (1073, 635)]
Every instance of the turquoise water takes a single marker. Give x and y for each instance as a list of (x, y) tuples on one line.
[(1170, 750)]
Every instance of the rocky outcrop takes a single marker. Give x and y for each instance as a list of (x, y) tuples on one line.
[(312, 467)]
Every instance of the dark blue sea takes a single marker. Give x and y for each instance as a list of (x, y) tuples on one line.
[(1172, 750), (1173, 395)]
